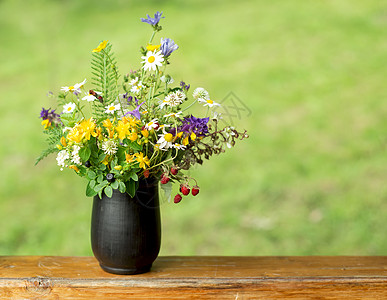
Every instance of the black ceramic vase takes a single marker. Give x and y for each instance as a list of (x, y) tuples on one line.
[(126, 231)]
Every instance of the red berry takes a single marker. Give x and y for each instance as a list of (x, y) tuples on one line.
[(174, 170), (146, 173), (177, 198), (184, 189), (195, 190), (164, 179)]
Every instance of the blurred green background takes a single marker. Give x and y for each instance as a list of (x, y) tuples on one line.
[(310, 180)]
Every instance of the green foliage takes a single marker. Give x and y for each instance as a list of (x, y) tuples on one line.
[(53, 139), (105, 78)]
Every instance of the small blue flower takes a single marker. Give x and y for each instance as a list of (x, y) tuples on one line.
[(153, 21), (167, 47)]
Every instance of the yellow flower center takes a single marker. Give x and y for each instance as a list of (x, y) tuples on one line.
[(151, 59), (69, 108), (111, 108), (210, 101), (71, 88), (168, 137)]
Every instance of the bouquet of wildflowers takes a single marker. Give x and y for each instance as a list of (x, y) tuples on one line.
[(135, 126)]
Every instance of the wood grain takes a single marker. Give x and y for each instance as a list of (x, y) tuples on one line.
[(207, 277)]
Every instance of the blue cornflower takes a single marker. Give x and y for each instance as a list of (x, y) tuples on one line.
[(168, 46), (153, 21)]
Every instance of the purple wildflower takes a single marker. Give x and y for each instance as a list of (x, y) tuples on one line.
[(184, 86), (193, 124), (50, 115), (168, 46), (153, 21), (135, 112)]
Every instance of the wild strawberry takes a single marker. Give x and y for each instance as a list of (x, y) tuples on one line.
[(146, 173), (195, 190), (174, 170), (164, 179), (177, 198), (184, 189)]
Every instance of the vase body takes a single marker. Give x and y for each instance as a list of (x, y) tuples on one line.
[(126, 231)]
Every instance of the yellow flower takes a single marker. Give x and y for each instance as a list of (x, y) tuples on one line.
[(152, 47), (74, 167), (87, 126), (46, 123), (118, 168), (186, 141), (63, 141), (129, 158), (132, 121), (123, 129), (193, 136), (145, 133), (106, 160), (142, 160), (100, 47), (97, 133), (107, 123), (133, 136), (75, 135)]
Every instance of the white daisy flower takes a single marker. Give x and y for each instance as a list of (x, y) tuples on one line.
[(134, 81), (153, 124), (210, 103), (89, 98), (174, 115), (165, 141), (112, 108), (179, 146), (61, 158), (163, 126), (151, 60), (69, 108), (76, 88), (109, 147), (80, 85), (137, 88), (200, 93), (76, 159)]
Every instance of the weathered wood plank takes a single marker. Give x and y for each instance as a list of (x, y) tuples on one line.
[(337, 277)]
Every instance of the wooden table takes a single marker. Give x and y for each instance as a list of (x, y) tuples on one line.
[(203, 277)]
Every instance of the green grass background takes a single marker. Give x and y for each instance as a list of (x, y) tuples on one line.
[(310, 180)]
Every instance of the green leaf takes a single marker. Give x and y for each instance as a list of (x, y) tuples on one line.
[(100, 186), (90, 192), (92, 183), (114, 185), (84, 153), (167, 189), (131, 188), (135, 146), (91, 174), (133, 176), (122, 187), (109, 191), (100, 178)]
